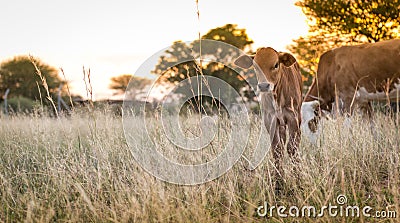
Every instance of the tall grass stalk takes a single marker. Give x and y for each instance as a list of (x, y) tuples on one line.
[(44, 83), (68, 91)]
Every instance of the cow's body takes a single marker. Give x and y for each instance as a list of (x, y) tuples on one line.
[(280, 83), (350, 77)]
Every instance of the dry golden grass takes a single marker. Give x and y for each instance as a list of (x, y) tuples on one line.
[(80, 169)]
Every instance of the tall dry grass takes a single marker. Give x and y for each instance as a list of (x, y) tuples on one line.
[(80, 169)]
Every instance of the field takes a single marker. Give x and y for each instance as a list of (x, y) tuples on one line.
[(80, 169)]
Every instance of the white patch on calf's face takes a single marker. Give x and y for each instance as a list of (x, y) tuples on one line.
[(308, 115), (308, 110)]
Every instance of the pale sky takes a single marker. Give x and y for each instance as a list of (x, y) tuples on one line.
[(116, 37)]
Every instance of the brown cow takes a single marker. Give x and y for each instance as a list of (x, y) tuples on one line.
[(280, 83), (350, 77)]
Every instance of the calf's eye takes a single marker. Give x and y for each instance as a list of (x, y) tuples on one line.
[(276, 66)]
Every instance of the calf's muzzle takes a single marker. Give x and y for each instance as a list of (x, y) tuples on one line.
[(264, 86)]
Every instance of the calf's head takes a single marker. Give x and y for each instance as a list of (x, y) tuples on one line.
[(311, 117), (267, 63)]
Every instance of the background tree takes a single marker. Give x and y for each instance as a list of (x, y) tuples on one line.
[(19, 75), (120, 84), (334, 23), (230, 34), (187, 52)]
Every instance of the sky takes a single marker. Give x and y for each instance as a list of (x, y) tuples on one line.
[(116, 37)]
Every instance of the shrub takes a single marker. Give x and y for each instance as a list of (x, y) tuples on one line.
[(19, 105)]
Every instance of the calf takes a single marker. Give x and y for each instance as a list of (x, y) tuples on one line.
[(280, 84)]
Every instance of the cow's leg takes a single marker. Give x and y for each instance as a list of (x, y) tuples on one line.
[(347, 110), (347, 106), (277, 153), (294, 140), (293, 146), (395, 111), (368, 113), (339, 107)]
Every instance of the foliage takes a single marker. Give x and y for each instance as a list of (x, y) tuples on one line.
[(358, 20), (20, 76), (19, 105), (120, 83), (231, 34), (185, 54), (334, 23), (307, 51)]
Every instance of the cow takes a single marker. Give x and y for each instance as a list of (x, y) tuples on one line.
[(350, 77), (280, 84)]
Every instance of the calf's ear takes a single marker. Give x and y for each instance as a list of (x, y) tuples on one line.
[(244, 61), (287, 59)]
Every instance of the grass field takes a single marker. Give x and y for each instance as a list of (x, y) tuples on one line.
[(80, 169)]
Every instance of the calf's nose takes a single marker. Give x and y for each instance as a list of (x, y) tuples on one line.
[(264, 86)]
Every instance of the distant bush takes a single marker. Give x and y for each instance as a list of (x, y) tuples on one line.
[(20, 105)]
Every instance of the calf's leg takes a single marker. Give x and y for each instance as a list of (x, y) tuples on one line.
[(294, 139), (277, 153)]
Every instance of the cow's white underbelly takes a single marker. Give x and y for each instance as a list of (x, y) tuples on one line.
[(363, 95)]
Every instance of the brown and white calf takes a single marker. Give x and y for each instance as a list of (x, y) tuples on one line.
[(280, 84)]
